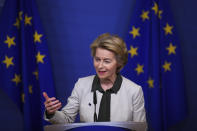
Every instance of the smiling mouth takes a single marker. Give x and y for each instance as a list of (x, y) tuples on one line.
[(101, 72)]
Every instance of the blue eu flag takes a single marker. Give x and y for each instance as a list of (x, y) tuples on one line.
[(25, 70), (155, 63)]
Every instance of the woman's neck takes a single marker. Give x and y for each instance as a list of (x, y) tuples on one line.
[(107, 83)]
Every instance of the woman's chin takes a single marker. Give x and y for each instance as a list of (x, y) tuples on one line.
[(102, 76)]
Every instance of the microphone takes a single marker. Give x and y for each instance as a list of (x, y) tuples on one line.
[(95, 102)]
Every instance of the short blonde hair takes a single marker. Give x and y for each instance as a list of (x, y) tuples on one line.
[(114, 44)]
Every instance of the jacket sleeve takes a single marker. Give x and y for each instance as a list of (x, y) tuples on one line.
[(139, 114), (68, 112)]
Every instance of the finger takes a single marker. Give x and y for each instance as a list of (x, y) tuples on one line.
[(59, 105), (54, 108), (45, 96), (54, 102), (50, 100), (51, 103)]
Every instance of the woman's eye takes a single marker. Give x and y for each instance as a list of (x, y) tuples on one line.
[(107, 61), (96, 59)]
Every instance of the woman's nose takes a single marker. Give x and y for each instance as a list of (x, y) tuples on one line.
[(100, 64)]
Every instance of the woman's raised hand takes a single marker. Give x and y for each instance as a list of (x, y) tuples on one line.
[(51, 104)]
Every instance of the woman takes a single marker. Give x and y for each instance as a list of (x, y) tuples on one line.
[(106, 96)]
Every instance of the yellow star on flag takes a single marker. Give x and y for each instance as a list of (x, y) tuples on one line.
[(37, 37), (155, 8), (168, 29), (17, 23), (23, 97), (40, 58), (20, 15), (166, 66), (16, 79), (8, 61), (171, 49), (159, 14), (10, 41), (139, 69), (133, 51), (144, 15), (150, 82), (135, 32), (27, 20), (36, 74), (30, 89)]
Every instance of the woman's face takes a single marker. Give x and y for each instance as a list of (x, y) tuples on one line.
[(105, 64)]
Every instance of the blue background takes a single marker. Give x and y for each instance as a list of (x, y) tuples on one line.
[(76, 23)]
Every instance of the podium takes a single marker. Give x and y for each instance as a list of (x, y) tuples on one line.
[(94, 126)]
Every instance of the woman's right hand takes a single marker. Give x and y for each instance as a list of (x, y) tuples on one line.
[(51, 104)]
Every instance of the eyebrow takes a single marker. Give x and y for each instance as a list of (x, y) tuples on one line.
[(103, 59)]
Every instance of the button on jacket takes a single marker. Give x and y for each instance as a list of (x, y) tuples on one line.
[(126, 105)]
